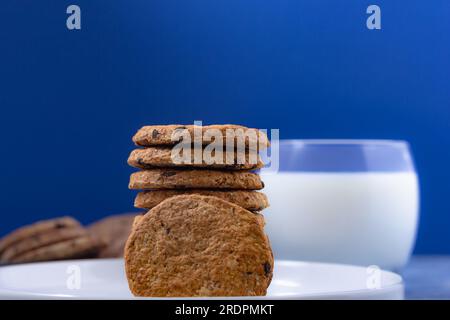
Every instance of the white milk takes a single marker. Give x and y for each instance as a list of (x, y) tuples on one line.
[(355, 218)]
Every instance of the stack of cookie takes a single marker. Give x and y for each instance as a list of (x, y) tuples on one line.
[(55, 239), (203, 234), (161, 178)]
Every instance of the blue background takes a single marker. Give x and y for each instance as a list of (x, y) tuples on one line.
[(71, 100)]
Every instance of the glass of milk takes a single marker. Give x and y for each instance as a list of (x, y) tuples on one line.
[(343, 201)]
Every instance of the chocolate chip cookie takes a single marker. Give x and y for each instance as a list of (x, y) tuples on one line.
[(193, 245), (161, 156), (39, 240), (37, 228), (54, 239), (113, 231), (193, 179), (77, 248), (163, 135), (250, 200)]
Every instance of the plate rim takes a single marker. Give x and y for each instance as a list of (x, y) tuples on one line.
[(396, 285)]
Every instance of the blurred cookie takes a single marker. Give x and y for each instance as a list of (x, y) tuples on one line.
[(77, 248), (193, 245), (161, 156), (113, 231), (250, 200), (37, 228), (162, 135), (41, 239), (193, 179)]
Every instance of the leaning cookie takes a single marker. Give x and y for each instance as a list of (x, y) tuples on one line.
[(193, 179), (250, 200), (37, 228), (172, 134), (161, 156), (192, 245)]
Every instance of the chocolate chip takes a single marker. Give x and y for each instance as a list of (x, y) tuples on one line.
[(167, 230), (59, 225), (168, 174), (155, 134), (267, 268)]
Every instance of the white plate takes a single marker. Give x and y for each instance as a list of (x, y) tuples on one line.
[(105, 279)]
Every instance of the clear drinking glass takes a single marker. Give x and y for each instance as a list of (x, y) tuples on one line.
[(345, 201)]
